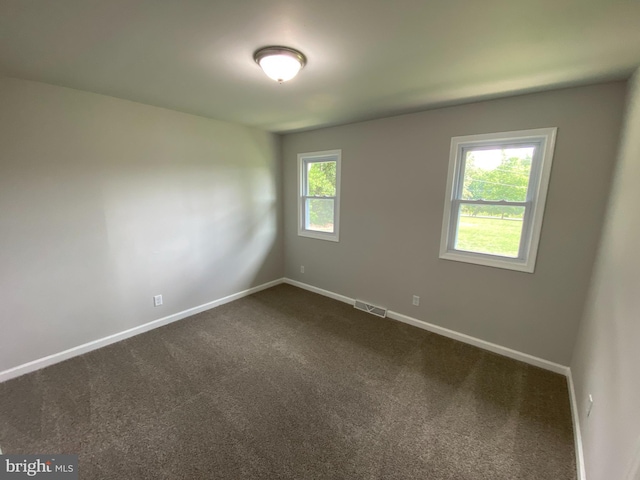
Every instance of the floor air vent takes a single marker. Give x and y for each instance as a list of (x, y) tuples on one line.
[(367, 307)]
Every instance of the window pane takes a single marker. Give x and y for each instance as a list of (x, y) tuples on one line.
[(491, 229), (497, 174), (321, 179), (319, 214)]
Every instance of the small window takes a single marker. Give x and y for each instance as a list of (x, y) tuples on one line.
[(496, 192), (319, 202)]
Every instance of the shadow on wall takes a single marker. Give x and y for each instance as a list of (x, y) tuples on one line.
[(197, 231)]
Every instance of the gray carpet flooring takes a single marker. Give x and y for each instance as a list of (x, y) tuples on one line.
[(286, 384)]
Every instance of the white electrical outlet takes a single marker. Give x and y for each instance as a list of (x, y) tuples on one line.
[(589, 405), (416, 300), (301, 268), (157, 300)]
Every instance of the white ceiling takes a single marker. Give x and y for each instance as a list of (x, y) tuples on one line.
[(366, 58)]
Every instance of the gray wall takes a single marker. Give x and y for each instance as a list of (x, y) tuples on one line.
[(606, 361), (394, 174), (105, 203)]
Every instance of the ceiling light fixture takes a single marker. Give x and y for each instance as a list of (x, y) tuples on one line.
[(280, 63)]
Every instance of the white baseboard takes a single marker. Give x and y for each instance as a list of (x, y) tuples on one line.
[(492, 347), (93, 345), (577, 435), (320, 291), (103, 342), (477, 342)]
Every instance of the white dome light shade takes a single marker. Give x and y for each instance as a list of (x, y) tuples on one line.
[(280, 63), (280, 67)]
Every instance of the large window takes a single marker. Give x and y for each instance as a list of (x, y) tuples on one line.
[(496, 191), (319, 202)]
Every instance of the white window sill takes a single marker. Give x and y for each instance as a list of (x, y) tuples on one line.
[(332, 237), (490, 261)]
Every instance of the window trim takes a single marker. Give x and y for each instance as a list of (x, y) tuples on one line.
[(534, 203), (311, 157)]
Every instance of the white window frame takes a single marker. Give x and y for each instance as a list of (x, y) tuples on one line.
[(303, 160), (544, 140)]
